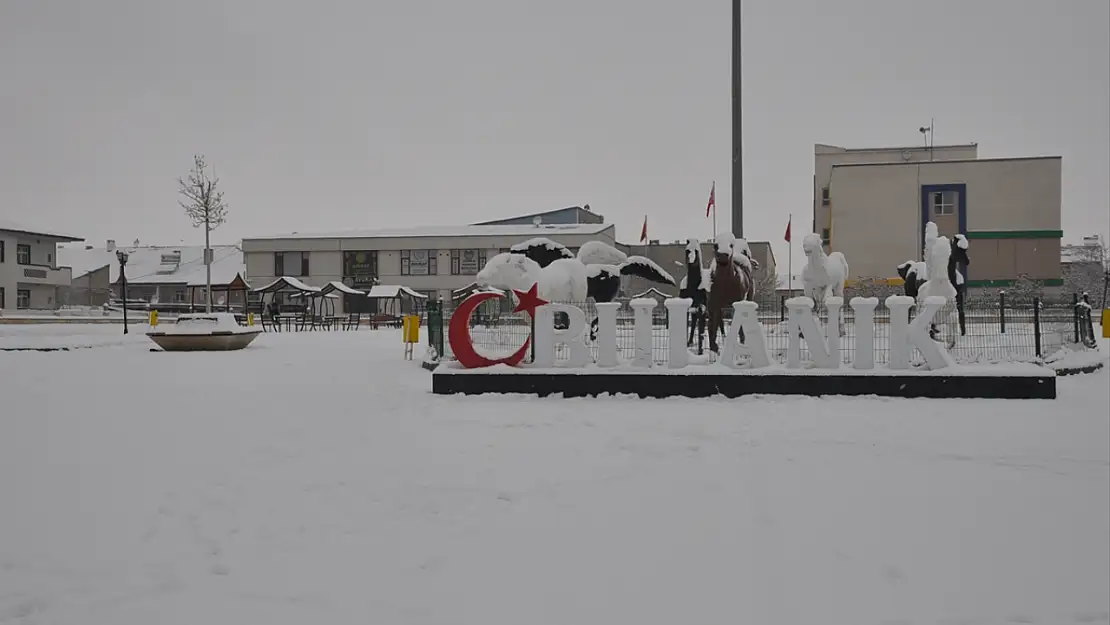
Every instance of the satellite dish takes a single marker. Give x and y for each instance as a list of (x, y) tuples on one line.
[(537, 221), (906, 154)]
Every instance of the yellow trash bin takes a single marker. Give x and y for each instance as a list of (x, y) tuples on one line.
[(154, 318), (411, 328), (1106, 323)]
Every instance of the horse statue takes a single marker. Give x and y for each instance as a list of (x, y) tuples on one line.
[(730, 282), (695, 287), (957, 264), (824, 274)]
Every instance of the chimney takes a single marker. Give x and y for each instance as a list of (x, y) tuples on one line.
[(110, 245)]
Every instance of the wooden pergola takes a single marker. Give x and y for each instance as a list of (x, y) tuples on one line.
[(236, 284)]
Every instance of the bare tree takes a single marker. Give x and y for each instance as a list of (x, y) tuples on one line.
[(1086, 268), (1025, 288), (205, 206)]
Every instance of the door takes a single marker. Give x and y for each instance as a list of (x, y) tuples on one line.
[(944, 209)]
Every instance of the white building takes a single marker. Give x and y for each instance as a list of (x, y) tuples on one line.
[(440, 261), (172, 275), (30, 276), (873, 203), (433, 261)]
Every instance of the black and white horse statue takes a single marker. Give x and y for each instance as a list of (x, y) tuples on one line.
[(695, 287), (916, 273), (603, 264)]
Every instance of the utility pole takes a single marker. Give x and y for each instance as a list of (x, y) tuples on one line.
[(737, 126)]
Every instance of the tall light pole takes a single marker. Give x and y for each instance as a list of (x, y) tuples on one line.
[(121, 256), (737, 126)]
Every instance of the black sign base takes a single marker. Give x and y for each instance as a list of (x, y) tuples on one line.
[(448, 381)]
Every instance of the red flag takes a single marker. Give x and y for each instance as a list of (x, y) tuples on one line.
[(712, 199), (643, 232), (787, 237)]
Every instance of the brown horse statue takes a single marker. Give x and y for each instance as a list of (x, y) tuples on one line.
[(731, 281)]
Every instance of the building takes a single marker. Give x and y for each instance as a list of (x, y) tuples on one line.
[(563, 216), (168, 275), (30, 274), (872, 204), (439, 261)]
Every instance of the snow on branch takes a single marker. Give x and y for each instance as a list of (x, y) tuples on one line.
[(202, 200)]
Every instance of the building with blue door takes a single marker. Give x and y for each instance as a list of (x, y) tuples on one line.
[(873, 204)]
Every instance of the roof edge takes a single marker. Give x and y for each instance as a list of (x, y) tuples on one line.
[(63, 238), (955, 160)]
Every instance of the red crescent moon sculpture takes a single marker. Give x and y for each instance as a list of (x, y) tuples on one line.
[(462, 344)]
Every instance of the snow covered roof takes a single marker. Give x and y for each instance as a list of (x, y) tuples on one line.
[(389, 291), (528, 230), (336, 285), (287, 283), (474, 286), (11, 226), (652, 292), (157, 264)]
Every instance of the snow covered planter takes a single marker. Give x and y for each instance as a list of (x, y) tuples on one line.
[(744, 367)]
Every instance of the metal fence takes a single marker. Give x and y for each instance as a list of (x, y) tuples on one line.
[(990, 332)]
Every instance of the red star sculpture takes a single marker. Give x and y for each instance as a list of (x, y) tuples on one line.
[(529, 300)]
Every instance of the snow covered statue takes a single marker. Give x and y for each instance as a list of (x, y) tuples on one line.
[(824, 274), (730, 280), (916, 273), (940, 284), (595, 272)]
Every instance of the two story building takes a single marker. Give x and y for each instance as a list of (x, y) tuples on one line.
[(872, 204), (30, 277), (441, 261)]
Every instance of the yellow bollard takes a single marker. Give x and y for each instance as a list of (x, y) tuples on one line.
[(410, 333), (154, 318), (250, 319), (1106, 323)]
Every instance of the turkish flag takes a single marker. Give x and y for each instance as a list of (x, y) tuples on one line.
[(643, 232), (712, 199), (787, 237)]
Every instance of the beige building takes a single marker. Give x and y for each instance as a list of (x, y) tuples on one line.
[(872, 205), (30, 277), (438, 261)]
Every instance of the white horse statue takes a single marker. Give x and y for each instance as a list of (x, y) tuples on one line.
[(940, 284), (824, 274)]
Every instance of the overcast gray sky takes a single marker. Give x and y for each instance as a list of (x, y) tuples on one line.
[(339, 114)]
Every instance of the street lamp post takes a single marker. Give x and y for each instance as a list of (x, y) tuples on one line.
[(121, 256)]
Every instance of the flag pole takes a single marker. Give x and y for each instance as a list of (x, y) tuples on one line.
[(713, 192), (790, 257)]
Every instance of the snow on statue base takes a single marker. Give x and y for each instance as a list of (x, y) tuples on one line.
[(581, 375)]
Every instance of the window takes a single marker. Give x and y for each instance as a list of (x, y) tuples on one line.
[(23, 254), (825, 236), (467, 262), (360, 268), (23, 299), (825, 196), (419, 263), (49, 259), (1, 259), (1, 294), (290, 264), (944, 203)]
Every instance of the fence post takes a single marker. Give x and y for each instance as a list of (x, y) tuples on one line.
[(782, 308), (1002, 311), (1037, 326), (434, 310), (1075, 314)]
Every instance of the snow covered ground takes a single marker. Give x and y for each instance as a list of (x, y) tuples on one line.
[(312, 478)]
